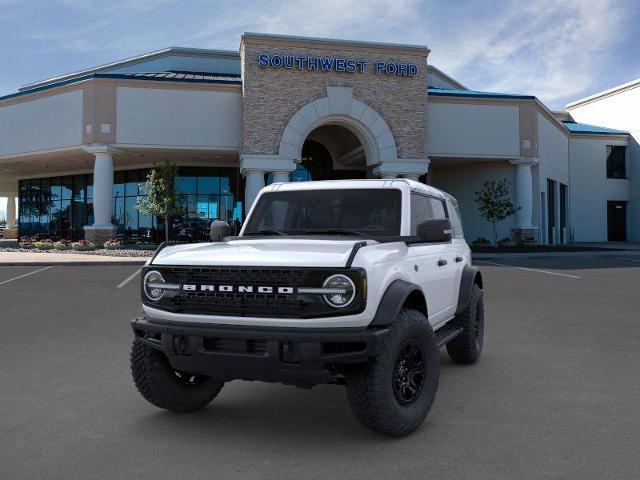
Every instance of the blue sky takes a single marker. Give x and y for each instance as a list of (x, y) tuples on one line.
[(557, 50)]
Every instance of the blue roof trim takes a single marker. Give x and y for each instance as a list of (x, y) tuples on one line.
[(225, 80), (585, 128), (444, 92)]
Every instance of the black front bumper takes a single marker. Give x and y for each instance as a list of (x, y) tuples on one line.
[(295, 356)]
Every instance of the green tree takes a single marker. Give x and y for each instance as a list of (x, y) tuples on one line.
[(494, 203), (161, 200)]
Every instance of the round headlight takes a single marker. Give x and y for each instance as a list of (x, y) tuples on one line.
[(152, 285), (345, 291)]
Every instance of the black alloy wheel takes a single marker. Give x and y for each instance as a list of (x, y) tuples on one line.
[(409, 373)]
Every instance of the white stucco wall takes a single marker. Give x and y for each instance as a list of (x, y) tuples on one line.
[(589, 189), (466, 178), (471, 129), (553, 163), (620, 111), (189, 118), (43, 124)]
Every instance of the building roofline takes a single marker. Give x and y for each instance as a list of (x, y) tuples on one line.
[(445, 92), (604, 93), (588, 129), (336, 41), (132, 61), (598, 131), (120, 76), (447, 77)]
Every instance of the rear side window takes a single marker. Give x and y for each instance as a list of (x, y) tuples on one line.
[(420, 211), (438, 209), (455, 218)]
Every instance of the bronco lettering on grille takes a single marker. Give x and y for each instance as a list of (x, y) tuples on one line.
[(191, 287)]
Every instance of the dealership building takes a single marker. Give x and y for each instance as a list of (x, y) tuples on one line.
[(75, 149)]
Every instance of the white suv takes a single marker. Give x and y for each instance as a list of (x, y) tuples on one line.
[(353, 282)]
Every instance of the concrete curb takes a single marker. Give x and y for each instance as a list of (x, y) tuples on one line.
[(73, 264), (617, 253)]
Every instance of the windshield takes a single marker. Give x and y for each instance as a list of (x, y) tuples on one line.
[(359, 212)]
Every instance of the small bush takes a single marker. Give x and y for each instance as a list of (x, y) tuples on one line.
[(113, 245), (481, 241), (83, 245), (26, 242), (62, 245), (43, 244)]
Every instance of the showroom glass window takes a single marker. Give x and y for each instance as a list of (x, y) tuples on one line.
[(205, 194), (131, 225), (616, 161), (59, 207), (56, 207)]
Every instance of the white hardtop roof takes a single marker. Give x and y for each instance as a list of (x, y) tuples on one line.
[(353, 184)]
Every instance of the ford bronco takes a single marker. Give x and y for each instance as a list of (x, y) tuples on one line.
[(349, 282)]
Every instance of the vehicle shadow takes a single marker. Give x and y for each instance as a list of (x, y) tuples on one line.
[(265, 413), (249, 412)]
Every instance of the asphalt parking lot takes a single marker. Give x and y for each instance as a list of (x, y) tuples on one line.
[(555, 394)]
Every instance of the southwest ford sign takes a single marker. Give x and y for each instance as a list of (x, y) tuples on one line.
[(334, 64)]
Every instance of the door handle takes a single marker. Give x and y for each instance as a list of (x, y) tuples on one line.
[(459, 259), (442, 262)]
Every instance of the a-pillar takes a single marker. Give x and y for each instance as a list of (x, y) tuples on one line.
[(524, 229), (102, 228)]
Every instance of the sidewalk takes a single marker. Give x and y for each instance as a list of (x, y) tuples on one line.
[(33, 259), (635, 254)]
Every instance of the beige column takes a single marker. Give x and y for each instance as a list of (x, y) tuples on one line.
[(102, 228), (11, 211)]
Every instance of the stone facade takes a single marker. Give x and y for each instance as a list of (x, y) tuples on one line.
[(9, 233), (272, 96), (99, 236)]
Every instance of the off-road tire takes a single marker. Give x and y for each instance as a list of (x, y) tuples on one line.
[(467, 347), (164, 387), (371, 388)]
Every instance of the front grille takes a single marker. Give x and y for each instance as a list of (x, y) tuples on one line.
[(253, 304), (239, 276)]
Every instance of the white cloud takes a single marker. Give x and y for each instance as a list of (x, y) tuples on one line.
[(546, 48)]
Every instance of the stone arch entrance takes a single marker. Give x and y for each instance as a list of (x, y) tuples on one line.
[(332, 152), (340, 108)]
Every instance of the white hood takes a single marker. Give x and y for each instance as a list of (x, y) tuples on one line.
[(271, 252)]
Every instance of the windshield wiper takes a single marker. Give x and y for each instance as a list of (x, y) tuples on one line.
[(338, 231), (268, 231)]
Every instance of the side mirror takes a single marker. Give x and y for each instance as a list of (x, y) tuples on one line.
[(218, 230), (436, 231)]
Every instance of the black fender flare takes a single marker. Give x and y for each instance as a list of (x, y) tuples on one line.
[(393, 299), (470, 276)]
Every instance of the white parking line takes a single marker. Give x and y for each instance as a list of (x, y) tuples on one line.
[(129, 278), (25, 275), (529, 269)]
